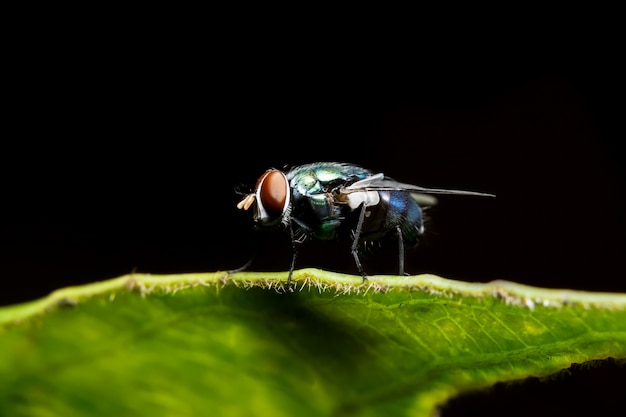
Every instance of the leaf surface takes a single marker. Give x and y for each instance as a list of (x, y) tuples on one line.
[(244, 345)]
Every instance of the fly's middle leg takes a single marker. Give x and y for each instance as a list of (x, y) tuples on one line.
[(355, 242)]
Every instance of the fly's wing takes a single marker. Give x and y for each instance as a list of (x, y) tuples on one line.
[(424, 199), (422, 195)]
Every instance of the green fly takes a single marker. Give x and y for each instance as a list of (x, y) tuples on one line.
[(331, 200)]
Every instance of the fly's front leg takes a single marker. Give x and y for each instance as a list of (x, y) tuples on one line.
[(241, 268), (355, 242), (256, 251), (294, 253)]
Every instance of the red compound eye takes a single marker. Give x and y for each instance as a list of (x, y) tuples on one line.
[(272, 192)]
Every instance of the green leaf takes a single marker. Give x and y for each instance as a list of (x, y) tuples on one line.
[(244, 345)]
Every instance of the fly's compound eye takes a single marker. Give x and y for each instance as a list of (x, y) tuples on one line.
[(272, 196)]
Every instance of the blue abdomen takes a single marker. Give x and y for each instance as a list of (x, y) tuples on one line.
[(396, 209)]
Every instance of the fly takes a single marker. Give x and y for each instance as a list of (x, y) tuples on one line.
[(331, 200)]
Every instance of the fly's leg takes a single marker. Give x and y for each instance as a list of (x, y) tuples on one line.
[(241, 268), (355, 242), (294, 252), (400, 251), (256, 251)]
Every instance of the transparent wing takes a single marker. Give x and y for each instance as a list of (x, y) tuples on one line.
[(424, 199), (378, 182)]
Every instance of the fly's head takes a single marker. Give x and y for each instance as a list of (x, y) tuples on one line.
[(270, 199)]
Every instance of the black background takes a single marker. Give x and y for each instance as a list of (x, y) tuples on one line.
[(125, 149)]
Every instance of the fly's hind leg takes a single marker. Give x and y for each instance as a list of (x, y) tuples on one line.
[(400, 251)]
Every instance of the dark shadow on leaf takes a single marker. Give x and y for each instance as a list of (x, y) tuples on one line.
[(292, 319)]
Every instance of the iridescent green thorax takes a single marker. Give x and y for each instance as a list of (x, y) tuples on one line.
[(320, 177), (315, 188)]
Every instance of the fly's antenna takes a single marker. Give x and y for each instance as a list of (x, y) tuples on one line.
[(246, 202)]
